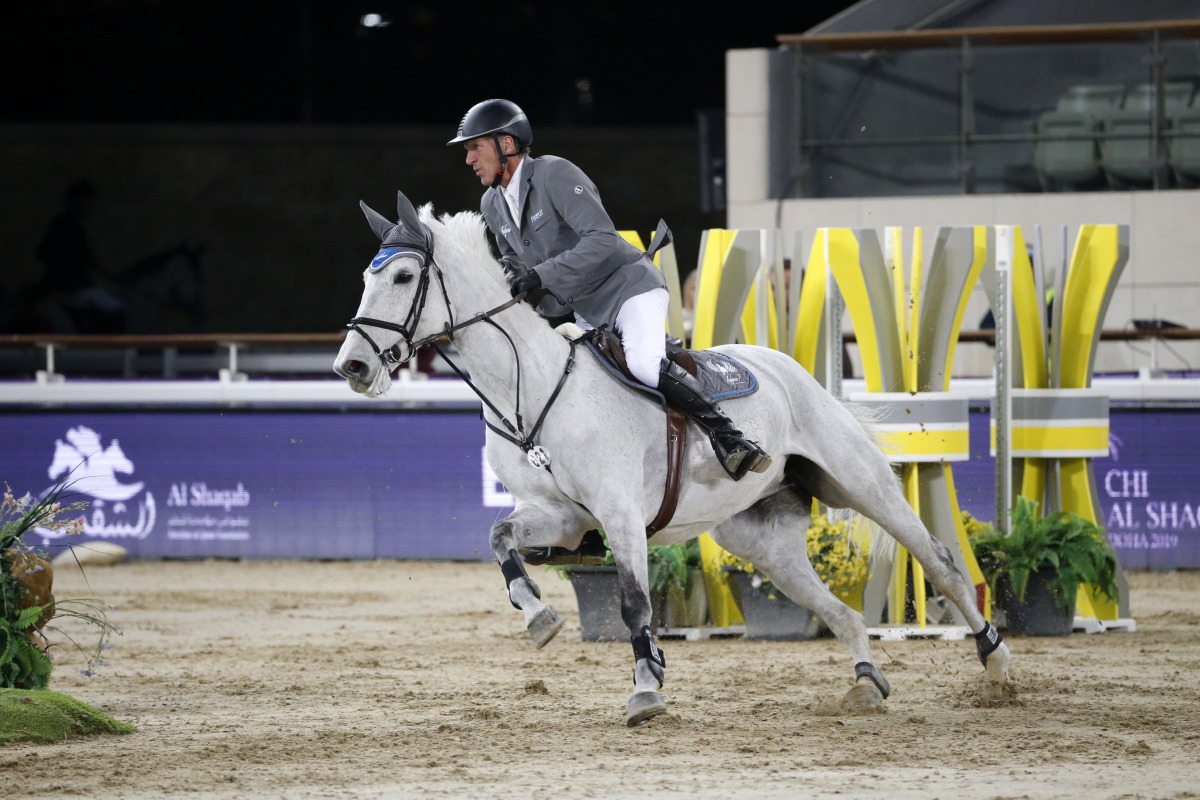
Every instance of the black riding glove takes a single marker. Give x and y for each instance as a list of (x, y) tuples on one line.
[(529, 283)]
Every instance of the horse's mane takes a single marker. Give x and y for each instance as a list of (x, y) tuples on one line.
[(469, 230)]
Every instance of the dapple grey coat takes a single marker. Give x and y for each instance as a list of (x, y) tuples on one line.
[(568, 237)]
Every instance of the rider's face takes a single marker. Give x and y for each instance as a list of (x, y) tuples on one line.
[(483, 159)]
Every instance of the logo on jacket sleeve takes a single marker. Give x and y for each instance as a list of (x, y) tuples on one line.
[(578, 190)]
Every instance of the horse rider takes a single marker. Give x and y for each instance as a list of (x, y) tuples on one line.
[(558, 243)]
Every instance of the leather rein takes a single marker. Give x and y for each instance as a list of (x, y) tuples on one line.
[(391, 356)]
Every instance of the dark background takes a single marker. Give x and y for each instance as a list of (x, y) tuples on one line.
[(251, 131), (272, 61)]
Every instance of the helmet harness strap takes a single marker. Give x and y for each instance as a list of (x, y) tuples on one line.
[(503, 157)]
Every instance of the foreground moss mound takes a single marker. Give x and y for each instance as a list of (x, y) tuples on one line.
[(40, 715)]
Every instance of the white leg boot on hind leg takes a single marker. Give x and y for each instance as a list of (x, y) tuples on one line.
[(994, 653)]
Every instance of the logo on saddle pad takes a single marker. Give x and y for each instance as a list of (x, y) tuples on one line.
[(726, 372), (723, 377)]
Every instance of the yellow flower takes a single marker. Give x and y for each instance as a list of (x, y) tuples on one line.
[(837, 553)]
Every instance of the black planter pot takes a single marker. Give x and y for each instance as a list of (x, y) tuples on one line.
[(598, 595), (1037, 615), (774, 618)]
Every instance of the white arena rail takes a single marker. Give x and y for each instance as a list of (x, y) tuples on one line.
[(227, 382)]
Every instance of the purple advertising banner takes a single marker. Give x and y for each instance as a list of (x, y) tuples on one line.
[(414, 485), (264, 485), (1147, 490)]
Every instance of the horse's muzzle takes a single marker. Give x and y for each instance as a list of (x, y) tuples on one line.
[(357, 373)]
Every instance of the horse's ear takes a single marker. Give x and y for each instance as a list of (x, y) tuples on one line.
[(407, 214), (379, 223)]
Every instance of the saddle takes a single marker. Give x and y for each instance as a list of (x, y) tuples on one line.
[(722, 377)]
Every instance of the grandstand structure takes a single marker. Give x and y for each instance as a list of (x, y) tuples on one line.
[(1045, 116)]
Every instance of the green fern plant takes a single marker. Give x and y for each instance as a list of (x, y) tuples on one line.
[(22, 663), (1073, 549), (670, 566)]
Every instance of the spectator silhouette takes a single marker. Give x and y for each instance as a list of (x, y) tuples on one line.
[(72, 275)]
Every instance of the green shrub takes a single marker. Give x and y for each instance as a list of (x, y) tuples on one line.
[(1074, 549)]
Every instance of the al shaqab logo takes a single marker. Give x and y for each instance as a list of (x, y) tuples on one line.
[(90, 469)]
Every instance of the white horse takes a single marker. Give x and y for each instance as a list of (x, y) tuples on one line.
[(595, 455)]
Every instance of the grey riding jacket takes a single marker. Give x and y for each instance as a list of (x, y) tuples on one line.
[(568, 237)]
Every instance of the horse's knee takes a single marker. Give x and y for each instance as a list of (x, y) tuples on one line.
[(503, 538)]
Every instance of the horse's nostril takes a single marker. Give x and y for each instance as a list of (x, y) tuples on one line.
[(351, 368)]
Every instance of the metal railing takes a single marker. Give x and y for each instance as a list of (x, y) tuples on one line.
[(1153, 33)]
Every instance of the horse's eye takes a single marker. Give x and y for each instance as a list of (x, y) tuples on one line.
[(402, 276)]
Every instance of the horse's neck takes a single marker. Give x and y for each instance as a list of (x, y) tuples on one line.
[(491, 360)]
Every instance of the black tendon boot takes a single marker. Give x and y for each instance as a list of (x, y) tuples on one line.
[(737, 454)]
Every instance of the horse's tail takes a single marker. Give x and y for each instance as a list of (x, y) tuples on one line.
[(864, 536), (868, 416)]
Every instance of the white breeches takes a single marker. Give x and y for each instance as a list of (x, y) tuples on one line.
[(642, 325)]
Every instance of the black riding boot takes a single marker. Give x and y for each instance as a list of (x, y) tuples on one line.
[(737, 454)]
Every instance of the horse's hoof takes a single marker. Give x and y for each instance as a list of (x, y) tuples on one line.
[(642, 707), (863, 697), (997, 664), (865, 669), (544, 626)]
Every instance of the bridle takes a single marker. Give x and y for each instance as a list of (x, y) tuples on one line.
[(390, 357)]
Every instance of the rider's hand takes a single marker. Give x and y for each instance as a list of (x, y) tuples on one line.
[(529, 283)]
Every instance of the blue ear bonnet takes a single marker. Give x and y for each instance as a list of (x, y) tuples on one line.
[(400, 241)]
